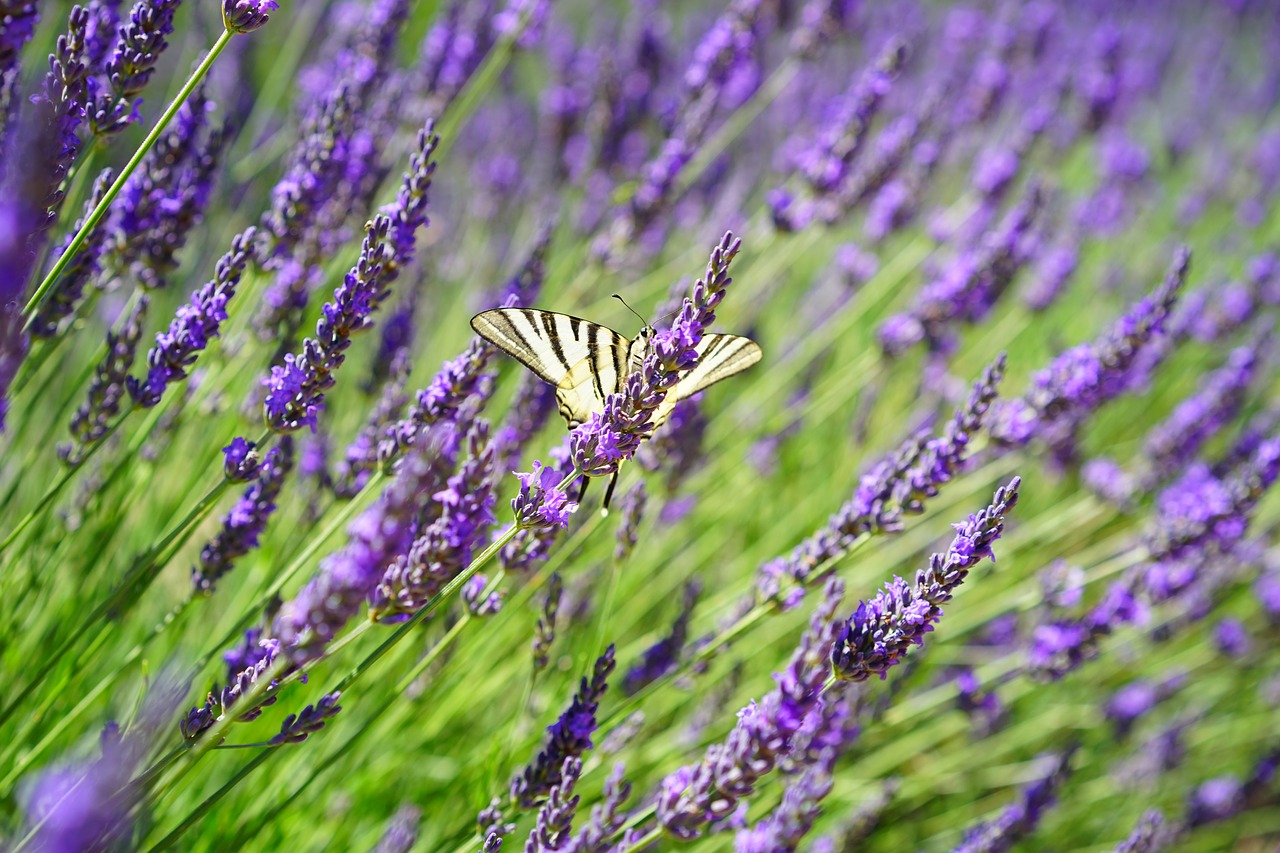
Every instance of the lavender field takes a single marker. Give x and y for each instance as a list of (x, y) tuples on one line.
[(981, 555)]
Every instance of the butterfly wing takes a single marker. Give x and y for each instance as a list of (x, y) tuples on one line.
[(584, 360), (719, 357)]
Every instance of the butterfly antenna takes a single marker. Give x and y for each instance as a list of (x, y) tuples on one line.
[(632, 310)]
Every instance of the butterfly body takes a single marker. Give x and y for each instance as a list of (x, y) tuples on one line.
[(587, 362)]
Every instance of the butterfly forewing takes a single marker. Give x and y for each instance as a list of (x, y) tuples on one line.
[(584, 360)]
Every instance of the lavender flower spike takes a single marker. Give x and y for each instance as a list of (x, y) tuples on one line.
[(570, 737), (540, 504), (193, 325), (142, 40), (882, 630), (296, 389), (245, 16), (599, 445), (245, 522)]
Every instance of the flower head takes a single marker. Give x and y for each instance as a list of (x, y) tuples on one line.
[(245, 16)]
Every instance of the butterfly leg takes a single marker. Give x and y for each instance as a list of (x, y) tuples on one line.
[(582, 489), (608, 494)]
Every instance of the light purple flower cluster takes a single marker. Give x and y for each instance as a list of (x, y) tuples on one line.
[(193, 326), (460, 382), (701, 796), (541, 503), (377, 537), (107, 388), (1172, 443), (445, 546), (569, 737), (1020, 819), (897, 486), (1084, 377), (882, 630), (968, 288), (245, 16), (532, 544), (243, 525), (165, 198), (607, 439), (664, 656)]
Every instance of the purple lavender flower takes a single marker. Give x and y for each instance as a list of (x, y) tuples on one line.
[(240, 460), (607, 439), (242, 526), (218, 702), (348, 576), (698, 796), (784, 829), (606, 817), (820, 22), (62, 300), (17, 26), (532, 544), (1147, 836), (164, 199), (882, 630), (967, 289), (541, 504), (245, 16), (114, 106), (65, 98), (1175, 441), (664, 656), (555, 816), (460, 382), (445, 546), (1232, 638), (569, 737), (93, 419), (296, 388), (363, 455), (1137, 699), (896, 486), (298, 727), (401, 833), (1084, 377), (1020, 819), (193, 325), (1053, 272)]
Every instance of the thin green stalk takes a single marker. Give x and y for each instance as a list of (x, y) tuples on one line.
[(101, 209)]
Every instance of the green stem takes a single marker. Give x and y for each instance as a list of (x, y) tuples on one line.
[(132, 166)]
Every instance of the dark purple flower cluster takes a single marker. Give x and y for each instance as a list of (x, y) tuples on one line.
[(298, 727), (601, 443), (545, 630), (114, 99), (295, 389), (193, 326), (165, 198), (243, 525), (569, 737), (107, 389), (62, 300), (700, 796), (897, 486), (555, 816), (882, 630), (245, 16), (221, 700), (445, 546), (1084, 377)]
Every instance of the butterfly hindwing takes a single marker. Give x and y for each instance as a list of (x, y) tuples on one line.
[(719, 357), (584, 360)]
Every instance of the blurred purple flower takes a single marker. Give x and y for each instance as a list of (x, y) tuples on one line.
[(569, 737), (1019, 820), (245, 16)]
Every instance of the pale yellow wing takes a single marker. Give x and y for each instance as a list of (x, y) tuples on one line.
[(719, 357), (584, 360)]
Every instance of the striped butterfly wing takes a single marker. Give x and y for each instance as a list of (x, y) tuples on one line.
[(584, 360), (719, 357)]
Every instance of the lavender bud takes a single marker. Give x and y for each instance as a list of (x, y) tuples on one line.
[(540, 504), (545, 630), (245, 16), (240, 460), (555, 816), (298, 727), (245, 522)]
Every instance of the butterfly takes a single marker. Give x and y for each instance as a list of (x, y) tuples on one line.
[(586, 362)]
